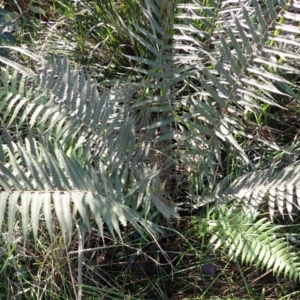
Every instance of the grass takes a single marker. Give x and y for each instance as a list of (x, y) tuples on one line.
[(49, 272), (93, 36)]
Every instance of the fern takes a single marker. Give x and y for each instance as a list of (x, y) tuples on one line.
[(228, 68), (73, 152), (232, 60), (280, 188), (256, 242), (209, 70)]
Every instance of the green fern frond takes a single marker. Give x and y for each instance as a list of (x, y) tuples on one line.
[(255, 242)]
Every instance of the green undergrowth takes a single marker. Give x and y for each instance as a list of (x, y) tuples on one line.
[(219, 247), (52, 271)]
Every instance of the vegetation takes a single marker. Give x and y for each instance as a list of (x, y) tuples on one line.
[(149, 149)]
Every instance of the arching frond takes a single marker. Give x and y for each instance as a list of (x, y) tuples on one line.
[(255, 242), (279, 188), (76, 149), (229, 60)]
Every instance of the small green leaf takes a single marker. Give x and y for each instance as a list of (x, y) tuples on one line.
[(36, 9)]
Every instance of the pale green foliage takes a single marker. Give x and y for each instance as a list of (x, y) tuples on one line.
[(65, 145), (280, 188), (206, 69), (231, 59), (226, 60)]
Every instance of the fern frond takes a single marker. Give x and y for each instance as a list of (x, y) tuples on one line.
[(236, 74), (77, 129), (77, 191), (255, 242), (279, 188)]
